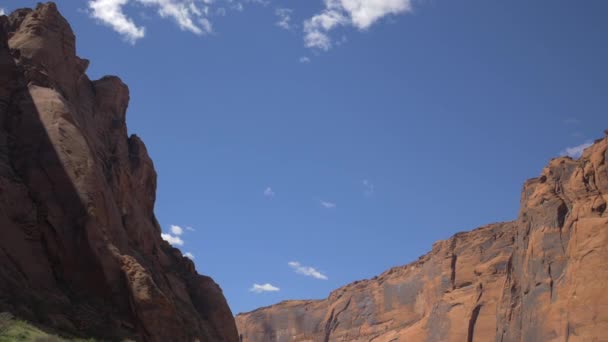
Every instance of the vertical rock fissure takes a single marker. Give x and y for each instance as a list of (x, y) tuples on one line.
[(453, 270), (550, 282), (333, 320), (472, 322), (328, 326)]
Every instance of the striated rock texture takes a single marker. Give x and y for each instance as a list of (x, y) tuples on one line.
[(542, 277), (80, 248)]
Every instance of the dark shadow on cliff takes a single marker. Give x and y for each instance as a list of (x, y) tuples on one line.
[(48, 274), (80, 247)]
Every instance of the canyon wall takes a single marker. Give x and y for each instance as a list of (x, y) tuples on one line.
[(80, 248), (542, 277)]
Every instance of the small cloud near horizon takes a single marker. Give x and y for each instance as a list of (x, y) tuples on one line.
[(268, 192), (2, 11), (306, 270), (189, 255), (575, 151), (177, 230), (257, 288), (173, 240), (327, 205)]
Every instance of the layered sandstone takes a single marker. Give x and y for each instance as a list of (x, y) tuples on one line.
[(80, 248), (542, 277)]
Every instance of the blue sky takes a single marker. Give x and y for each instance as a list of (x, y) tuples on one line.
[(311, 152)]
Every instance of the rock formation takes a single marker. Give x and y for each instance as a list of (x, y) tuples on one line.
[(80, 248), (542, 277)]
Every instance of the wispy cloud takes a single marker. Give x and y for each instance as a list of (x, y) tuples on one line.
[(284, 18), (304, 59), (174, 237), (177, 230), (268, 192), (173, 240), (257, 288), (316, 28), (575, 151), (360, 14), (189, 15), (306, 270), (327, 205), (188, 228), (368, 187), (110, 13), (189, 255), (195, 16)]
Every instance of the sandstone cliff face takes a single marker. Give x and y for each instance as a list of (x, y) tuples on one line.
[(80, 248), (542, 277)]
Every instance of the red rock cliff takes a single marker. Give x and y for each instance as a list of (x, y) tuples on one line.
[(542, 277), (80, 248)]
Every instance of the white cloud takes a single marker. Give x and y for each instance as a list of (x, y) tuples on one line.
[(188, 14), (328, 205), (284, 15), (190, 229), (2, 11), (189, 255), (360, 14), (304, 59), (306, 270), (257, 288), (575, 151), (177, 230), (193, 16), (368, 187), (173, 240), (269, 192), (110, 13), (316, 28), (364, 13)]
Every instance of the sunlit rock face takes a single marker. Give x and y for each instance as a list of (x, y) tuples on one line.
[(80, 248), (542, 277)]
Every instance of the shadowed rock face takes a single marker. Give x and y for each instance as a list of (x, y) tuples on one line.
[(542, 277), (80, 248)]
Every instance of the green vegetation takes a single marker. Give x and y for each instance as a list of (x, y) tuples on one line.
[(13, 330)]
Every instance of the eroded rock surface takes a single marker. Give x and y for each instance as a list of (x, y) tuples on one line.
[(542, 277), (80, 248)]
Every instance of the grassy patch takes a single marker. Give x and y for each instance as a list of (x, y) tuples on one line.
[(13, 330)]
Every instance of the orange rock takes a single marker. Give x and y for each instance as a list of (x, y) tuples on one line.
[(542, 277), (80, 248)]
